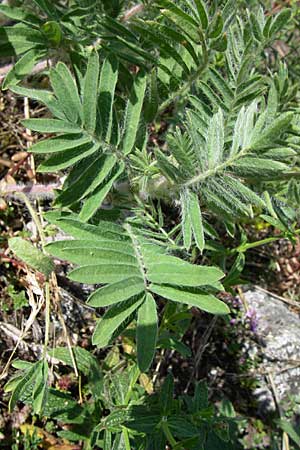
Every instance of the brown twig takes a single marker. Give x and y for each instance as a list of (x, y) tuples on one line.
[(278, 297), (136, 9)]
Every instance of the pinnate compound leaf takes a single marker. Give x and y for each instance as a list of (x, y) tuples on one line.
[(127, 264)]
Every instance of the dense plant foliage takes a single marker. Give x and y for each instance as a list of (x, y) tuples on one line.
[(171, 128)]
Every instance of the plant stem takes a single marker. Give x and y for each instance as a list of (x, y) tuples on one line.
[(34, 217), (132, 384), (242, 248), (126, 438), (47, 318), (211, 172), (167, 432), (187, 85)]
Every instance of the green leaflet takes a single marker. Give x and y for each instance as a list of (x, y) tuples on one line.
[(292, 432), (196, 220), (280, 153), (16, 13), (217, 189), (88, 181), (116, 292), (104, 273), (85, 256), (167, 168), (215, 27), (243, 192), (201, 8), (66, 92), (232, 277), (85, 361), (201, 300), (172, 270), (159, 39), (43, 96), (90, 91), (31, 255), (280, 21), (60, 144), (175, 37), (60, 247), (50, 126), (167, 395), (108, 82), (47, 7), (104, 230), (133, 112), (20, 39), (215, 140), (67, 158), (107, 440), (112, 319), (221, 86), (147, 328), (96, 198), (23, 66), (262, 138), (258, 167), (243, 129), (151, 98), (177, 11), (25, 382), (186, 221), (40, 390)]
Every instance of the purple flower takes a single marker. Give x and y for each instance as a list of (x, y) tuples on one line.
[(252, 319)]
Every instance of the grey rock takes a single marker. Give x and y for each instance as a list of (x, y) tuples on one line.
[(278, 339)]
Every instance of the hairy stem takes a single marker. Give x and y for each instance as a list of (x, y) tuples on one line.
[(188, 84)]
